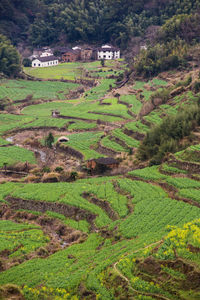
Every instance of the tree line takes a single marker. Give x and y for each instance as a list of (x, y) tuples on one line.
[(46, 22)]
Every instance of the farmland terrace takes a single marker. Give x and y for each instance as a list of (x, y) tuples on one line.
[(69, 232)]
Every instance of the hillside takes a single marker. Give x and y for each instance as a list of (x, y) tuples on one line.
[(49, 22), (87, 235), (100, 160)]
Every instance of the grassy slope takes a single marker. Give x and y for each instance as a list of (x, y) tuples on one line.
[(142, 209)]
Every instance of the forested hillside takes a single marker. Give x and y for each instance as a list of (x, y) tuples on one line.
[(47, 22)]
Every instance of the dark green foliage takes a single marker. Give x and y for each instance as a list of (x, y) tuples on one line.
[(160, 58), (49, 140), (4, 102), (59, 169), (161, 94), (102, 62), (46, 169), (170, 52), (185, 27), (73, 175), (9, 58), (26, 62), (166, 136), (196, 87), (48, 22)]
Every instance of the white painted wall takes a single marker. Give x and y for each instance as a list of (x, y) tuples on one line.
[(45, 54), (108, 54), (37, 63)]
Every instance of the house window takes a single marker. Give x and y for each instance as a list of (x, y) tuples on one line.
[(38, 65), (104, 56), (34, 64)]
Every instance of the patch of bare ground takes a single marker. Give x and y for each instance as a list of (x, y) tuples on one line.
[(152, 269), (11, 292), (60, 235), (125, 279), (103, 150), (191, 167), (136, 135), (41, 206), (120, 142), (103, 204), (124, 90)]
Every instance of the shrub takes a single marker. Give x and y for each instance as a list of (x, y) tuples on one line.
[(26, 62), (196, 87), (59, 169), (166, 136)]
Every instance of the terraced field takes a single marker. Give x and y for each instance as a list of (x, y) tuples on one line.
[(153, 211), (21, 89), (67, 235)]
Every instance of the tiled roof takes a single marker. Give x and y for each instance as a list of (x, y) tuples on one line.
[(108, 49), (47, 58)]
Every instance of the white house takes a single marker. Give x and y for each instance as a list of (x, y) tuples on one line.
[(108, 52), (46, 53), (46, 61)]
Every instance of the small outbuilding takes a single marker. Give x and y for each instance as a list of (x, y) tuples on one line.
[(102, 164), (63, 139), (55, 113)]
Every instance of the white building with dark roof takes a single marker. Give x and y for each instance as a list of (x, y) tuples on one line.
[(46, 61), (108, 52)]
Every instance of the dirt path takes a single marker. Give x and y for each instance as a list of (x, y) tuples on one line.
[(158, 296)]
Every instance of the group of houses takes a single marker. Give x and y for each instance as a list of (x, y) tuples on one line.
[(46, 57)]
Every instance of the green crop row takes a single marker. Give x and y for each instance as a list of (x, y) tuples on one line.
[(167, 168), (69, 109), (190, 193), (20, 89), (137, 126), (13, 154), (10, 122), (131, 100), (83, 142), (108, 143), (149, 173), (153, 118), (20, 239), (80, 125), (153, 210), (130, 142), (100, 90)]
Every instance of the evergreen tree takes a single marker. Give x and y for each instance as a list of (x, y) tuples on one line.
[(49, 140), (9, 58)]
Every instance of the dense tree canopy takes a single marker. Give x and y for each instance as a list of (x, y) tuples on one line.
[(173, 41), (9, 58), (47, 22)]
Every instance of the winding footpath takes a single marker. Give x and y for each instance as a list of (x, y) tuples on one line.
[(128, 281)]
